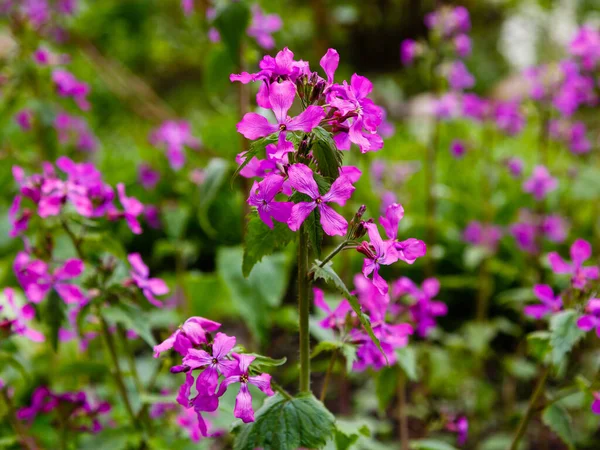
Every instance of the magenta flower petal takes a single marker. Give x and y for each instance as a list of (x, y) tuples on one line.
[(299, 213), (72, 268), (581, 250), (301, 179), (333, 223), (263, 382), (361, 86), (558, 264), (587, 323), (393, 215), (340, 192), (243, 405), (281, 98), (307, 120), (254, 126), (536, 311), (70, 293), (329, 62)]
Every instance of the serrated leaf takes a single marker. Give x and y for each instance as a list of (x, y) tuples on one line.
[(407, 360), (287, 424), (54, 316), (558, 420), (325, 153), (261, 241), (232, 23), (215, 173), (564, 334), (132, 318), (329, 275)]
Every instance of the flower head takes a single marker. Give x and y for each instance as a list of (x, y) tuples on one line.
[(581, 251)]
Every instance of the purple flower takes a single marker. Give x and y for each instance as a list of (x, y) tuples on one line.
[(591, 320), (37, 11), (462, 45), (191, 333), (391, 338), (74, 130), (460, 426), (408, 50), (147, 176), (458, 148), (485, 235), (243, 402), (586, 47), (262, 196), (458, 76), (37, 280), (578, 141), (424, 308), (540, 183), (132, 208), (509, 118), (550, 303), (409, 249), (22, 315), (24, 119), (581, 250), (69, 86), (336, 318), (262, 26), (301, 179), (596, 403), (213, 364), (515, 166), (187, 6), (377, 253), (174, 135), (281, 97), (149, 286)]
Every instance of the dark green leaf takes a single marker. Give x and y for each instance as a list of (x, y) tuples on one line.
[(559, 421), (260, 240), (214, 179), (564, 334), (386, 383), (287, 424), (132, 318), (232, 23), (329, 275), (54, 316), (327, 157)]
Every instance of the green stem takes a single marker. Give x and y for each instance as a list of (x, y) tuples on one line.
[(118, 375), (402, 416), (335, 251), (281, 390), (14, 422), (328, 375), (303, 310), (537, 393)]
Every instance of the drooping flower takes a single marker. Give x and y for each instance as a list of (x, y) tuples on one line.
[(191, 333), (301, 179), (243, 401), (591, 320), (140, 276), (262, 196), (550, 303), (581, 251), (37, 280)]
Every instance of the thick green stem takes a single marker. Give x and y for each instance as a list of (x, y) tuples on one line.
[(303, 310), (537, 393), (118, 375)]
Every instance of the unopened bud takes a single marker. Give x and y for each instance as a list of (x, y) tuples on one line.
[(317, 91)]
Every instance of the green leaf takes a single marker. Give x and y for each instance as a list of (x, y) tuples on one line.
[(132, 318), (262, 363), (325, 346), (326, 155), (263, 290), (349, 352), (564, 334), (407, 360), (215, 173), (431, 444), (347, 434), (558, 420), (328, 275), (260, 240), (101, 243), (54, 316), (386, 382), (538, 344), (287, 424), (8, 359), (314, 230), (232, 23)]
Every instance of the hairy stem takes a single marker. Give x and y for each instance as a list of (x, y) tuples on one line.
[(303, 309), (328, 375), (118, 375), (537, 393)]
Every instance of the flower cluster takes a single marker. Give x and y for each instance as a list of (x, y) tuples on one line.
[(174, 136), (74, 409), (82, 191), (531, 228), (217, 366)]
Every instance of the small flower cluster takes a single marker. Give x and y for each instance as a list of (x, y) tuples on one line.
[(217, 366), (483, 235), (174, 136), (532, 227), (83, 191), (75, 410)]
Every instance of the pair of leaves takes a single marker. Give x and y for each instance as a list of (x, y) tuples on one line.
[(287, 424), (327, 274)]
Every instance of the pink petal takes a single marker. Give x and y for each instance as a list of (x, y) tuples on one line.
[(536, 311), (158, 286), (138, 264), (319, 299), (393, 215), (333, 223), (580, 251), (281, 97), (431, 287), (72, 268), (300, 211), (340, 192), (329, 62), (361, 86), (557, 264), (254, 126), (263, 382), (243, 405), (586, 323), (544, 293), (307, 120), (301, 178), (70, 293), (222, 345)]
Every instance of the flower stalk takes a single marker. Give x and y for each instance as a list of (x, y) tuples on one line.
[(304, 309)]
